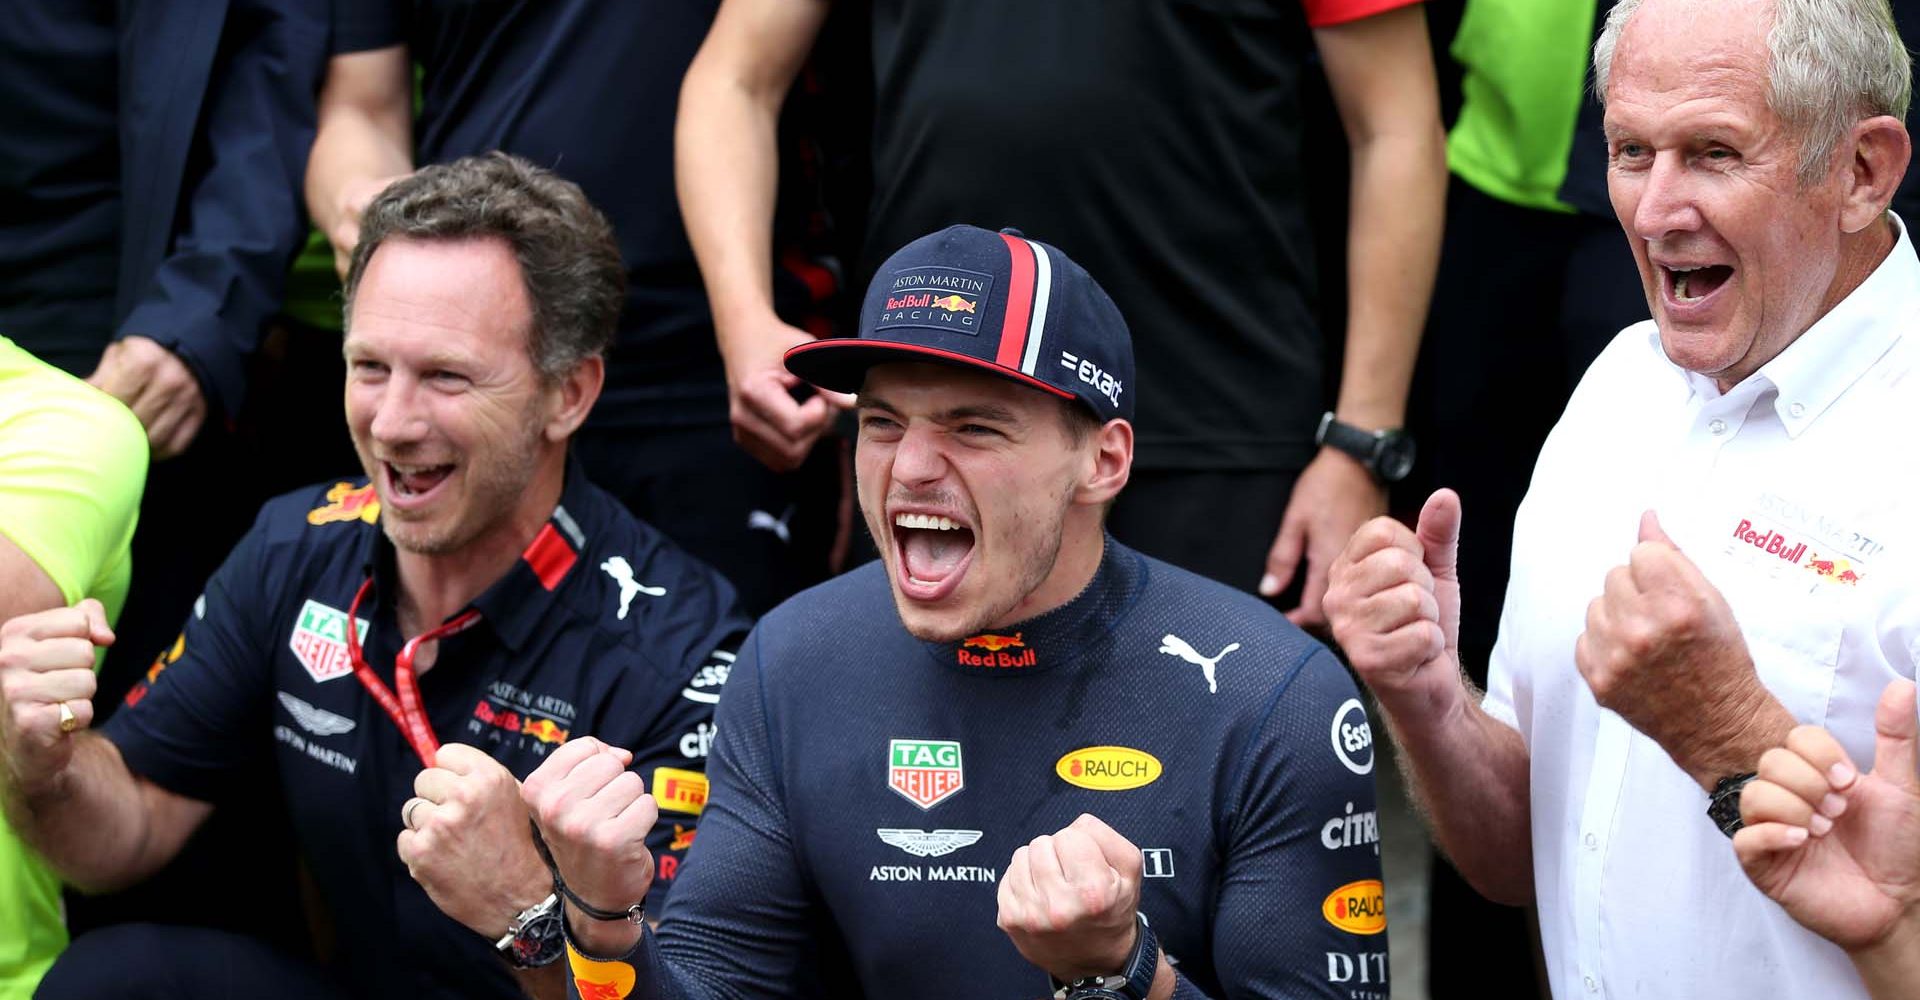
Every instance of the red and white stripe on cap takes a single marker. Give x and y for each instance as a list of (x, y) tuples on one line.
[(1025, 324)]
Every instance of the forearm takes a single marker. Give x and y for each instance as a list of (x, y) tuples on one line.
[(1891, 968), (1468, 773), (1758, 723), (1393, 248), (364, 133), (92, 822), (726, 169), (545, 983)]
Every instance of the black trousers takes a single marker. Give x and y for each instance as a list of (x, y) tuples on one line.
[(162, 962)]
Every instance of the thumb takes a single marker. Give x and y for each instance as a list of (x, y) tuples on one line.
[(1894, 727), (98, 631), (1650, 530), (1439, 534)]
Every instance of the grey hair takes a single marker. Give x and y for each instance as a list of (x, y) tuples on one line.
[(569, 262), (1832, 64)]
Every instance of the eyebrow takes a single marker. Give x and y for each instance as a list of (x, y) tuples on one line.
[(977, 411)]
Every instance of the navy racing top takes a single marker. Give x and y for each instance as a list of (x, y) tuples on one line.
[(870, 788), (603, 627)]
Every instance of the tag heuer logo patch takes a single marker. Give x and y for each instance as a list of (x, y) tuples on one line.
[(927, 772), (319, 641)]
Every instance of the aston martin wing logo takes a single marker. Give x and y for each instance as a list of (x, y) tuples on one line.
[(925, 844), (317, 721)]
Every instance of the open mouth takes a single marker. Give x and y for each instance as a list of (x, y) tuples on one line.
[(934, 553), (1692, 284), (413, 483)]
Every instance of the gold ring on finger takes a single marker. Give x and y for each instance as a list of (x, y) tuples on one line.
[(68, 721)]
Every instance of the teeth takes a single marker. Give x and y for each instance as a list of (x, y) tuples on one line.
[(925, 522)]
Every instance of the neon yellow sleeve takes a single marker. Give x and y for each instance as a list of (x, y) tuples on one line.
[(73, 462)]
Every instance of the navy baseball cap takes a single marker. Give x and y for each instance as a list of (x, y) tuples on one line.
[(996, 302)]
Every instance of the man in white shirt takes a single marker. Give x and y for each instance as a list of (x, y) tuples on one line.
[(1719, 541)]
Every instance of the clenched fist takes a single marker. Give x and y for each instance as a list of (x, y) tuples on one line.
[(1662, 649), (1068, 901), (466, 841), (46, 661), (595, 816)]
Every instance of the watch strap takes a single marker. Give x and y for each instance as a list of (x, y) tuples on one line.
[(1723, 804), (1133, 982), (634, 914)]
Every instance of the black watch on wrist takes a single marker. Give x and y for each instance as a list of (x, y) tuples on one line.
[(536, 938), (1723, 805), (1387, 454), (1132, 983)]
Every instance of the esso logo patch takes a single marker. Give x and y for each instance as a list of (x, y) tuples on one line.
[(1353, 737)]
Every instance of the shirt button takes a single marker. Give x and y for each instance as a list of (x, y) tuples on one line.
[(1798, 409), (1592, 987), (1717, 426), (1592, 842)]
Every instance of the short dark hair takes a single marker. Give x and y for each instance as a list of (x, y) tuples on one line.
[(1080, 422), (568, 259)]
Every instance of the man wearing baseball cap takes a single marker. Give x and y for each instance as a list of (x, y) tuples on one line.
[(1014, 757)]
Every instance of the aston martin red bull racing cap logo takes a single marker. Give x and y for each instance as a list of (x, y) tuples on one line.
[(942, 298)]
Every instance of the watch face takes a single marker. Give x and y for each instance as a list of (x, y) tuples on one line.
[(1395, 459), (541, 942)]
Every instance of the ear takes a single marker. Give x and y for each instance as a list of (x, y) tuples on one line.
[(1880, 148), (572, 397), (1111, 463)]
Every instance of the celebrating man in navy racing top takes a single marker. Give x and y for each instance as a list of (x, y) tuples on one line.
[(1197, 770), (474, 588)]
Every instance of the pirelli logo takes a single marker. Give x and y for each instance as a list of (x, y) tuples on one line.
[(679, 791)]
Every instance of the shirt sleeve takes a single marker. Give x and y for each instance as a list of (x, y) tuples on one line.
[(736, 925), (192, 724), (364, 25), (1326, 13), (71, 473), (1301, 909), (241, 220)]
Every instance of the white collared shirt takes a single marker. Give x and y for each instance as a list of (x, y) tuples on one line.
[(1797, 494)]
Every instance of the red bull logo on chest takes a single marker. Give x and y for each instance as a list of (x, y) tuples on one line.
[(998, 651), (1773, 543)]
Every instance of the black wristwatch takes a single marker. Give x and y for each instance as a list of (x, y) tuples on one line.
[(1723, 805), (1133, 983), (1387, 454), (536, 937)]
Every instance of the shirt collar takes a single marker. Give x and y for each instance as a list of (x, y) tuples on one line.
[(1840, 347), (515, 605), (1053, 637)]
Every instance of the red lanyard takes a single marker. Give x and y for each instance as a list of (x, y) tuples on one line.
[(405, 709)]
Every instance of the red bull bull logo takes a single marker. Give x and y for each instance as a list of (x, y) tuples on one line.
[(953, 304), (1834, 570), (345, 503), (995, 643), (682, 837), (544, 730)]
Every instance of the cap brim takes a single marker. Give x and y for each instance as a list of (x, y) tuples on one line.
[(841, 364)]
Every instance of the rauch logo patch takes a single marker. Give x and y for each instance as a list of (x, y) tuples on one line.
[(1357, 907), (1108, 769)]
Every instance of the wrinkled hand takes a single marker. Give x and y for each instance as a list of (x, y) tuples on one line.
[(1394, 601), (468, 844), (1839, 850), (595, 816), (353, 198), (1662, 649), (158, 387), (46, 658), (1333, 497), (1068, 900), (766, 421)]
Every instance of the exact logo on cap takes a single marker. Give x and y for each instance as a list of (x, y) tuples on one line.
[(937, 298)]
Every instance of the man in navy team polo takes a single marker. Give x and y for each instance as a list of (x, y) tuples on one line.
[(474, 589), (1013, 758)]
